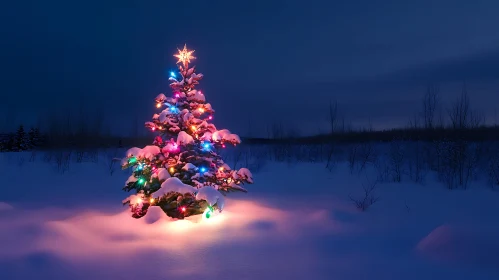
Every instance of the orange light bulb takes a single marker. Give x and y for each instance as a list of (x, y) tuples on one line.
[(158, 105), (172, 169)]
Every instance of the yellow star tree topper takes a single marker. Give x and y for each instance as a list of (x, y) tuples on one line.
[(184, 56)]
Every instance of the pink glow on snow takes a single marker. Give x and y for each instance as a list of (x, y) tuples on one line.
[(92, 235)]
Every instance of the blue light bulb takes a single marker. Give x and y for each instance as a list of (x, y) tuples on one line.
[(202, 169), (172, 74), (206, 146)]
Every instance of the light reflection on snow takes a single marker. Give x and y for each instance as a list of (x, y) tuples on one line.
[(85, 234)]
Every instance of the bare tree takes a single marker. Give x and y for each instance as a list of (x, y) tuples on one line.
[(461, 115), (333, 119), (333, 115), (415, 122), (396, 157), (430, 103), (416, 165), (368, 198)]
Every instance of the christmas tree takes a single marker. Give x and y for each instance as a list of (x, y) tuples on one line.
[(182, 172)]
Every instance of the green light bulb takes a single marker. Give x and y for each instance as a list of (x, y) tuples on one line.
[(208, 212)]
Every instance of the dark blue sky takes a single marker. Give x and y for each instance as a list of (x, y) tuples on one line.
[(264, 61)]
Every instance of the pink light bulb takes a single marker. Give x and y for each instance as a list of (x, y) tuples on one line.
[(210, 117), (177, 95)]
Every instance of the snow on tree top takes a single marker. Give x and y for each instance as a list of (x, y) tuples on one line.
[(184, 138), (212, 196), (197, 76), (195, 95), (173, 184)]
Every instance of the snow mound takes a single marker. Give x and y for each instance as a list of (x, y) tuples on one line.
[(212, 196), (5, 206), (173, 185), (154, 214), (466, 244)]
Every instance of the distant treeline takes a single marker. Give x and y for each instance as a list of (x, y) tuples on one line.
[(21, 140), (433, 122), (479, 134)]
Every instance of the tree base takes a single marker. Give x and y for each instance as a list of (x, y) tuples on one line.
[(174, 205)]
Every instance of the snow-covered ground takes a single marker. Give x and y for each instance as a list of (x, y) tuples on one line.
[(297, 222)]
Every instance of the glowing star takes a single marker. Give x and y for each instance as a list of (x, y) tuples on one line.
[(184, 56)]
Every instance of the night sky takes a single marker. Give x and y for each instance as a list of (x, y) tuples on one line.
[(264, 62)]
